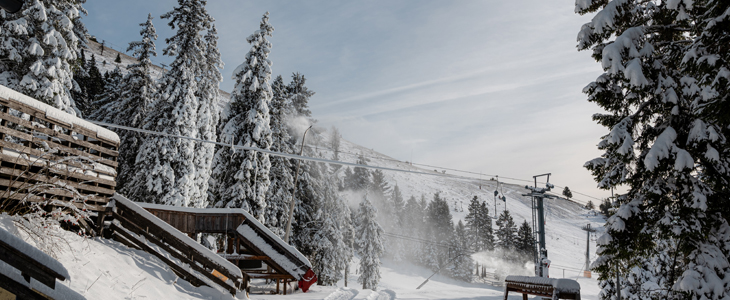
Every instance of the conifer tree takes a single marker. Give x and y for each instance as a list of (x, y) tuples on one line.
[(241, 178), (378, 189), (38, 46), (110, 94), (165, 168), (132, 104), (208, 115), (440, 229), (370, 244), (412, 226), (300, 95), (525, 242), (282, 169), (567, 193), (361, 176), (462, 263), (664, 96), (506, 232), (486, 234)]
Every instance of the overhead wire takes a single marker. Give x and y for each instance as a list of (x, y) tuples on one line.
[(315, 159)]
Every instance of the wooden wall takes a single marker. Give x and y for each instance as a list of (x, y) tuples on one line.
[(26, 135)]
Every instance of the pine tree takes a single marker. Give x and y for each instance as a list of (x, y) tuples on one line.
[(567, 193), (38, 46), (378, 188), (241, 178), (361, 177), (525, 243), (282, 170), (506, 232), (462, 265), (335, 139), (664, 96), (440, 229), (112, 92), (412, 226), (370, 244), (590, 205), (130, 106), (328, 239), (300, 95), (208, 115), (165, 168)]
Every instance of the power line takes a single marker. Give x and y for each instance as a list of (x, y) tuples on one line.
[(307, 158)]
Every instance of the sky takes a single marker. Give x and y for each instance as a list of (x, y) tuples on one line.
[(486, 86)]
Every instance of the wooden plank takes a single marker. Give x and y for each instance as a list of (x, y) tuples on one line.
[(36, 177), (18, 290), (29, 266), (176, 254), (60, 147), (97, 204), (22, 107), (170, 239), (56, 134), (184, 274), (55, 170)]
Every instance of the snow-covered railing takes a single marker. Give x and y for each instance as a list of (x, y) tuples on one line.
[(540, 286), (137, 220), (28, 273), (40, 144), (255, 235)]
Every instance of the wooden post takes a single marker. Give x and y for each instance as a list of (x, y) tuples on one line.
[(524, 296), (277, 285), (285, 285)]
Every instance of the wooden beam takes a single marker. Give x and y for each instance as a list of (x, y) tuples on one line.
[(28, 266)]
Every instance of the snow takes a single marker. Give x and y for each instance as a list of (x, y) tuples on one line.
[(661, 148), (230, 267), (33, 252), (57, 114)]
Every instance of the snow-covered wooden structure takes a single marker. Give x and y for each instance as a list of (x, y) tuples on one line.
[(257, 251), (139, 229), (544, 287), (28, 273), (42, 144)]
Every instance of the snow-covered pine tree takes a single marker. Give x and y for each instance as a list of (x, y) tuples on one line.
[(38, 46), (506, 232), (486, 234), (413, 226), (335, 141), (241, 177), (282, 170), (462, 262), (379, 188), (330, 247), (525, 243), (664, 96), (361, 176), (300, 95), (165, 168), (208, 114), (110, 94), (370, 244), (473, 223), (131, 105), (439, 229)]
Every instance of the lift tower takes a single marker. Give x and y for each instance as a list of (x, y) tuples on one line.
[(542, 263)]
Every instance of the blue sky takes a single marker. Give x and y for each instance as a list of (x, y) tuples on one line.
[(486, 86)]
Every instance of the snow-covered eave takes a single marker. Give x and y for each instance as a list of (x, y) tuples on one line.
[(59, 115), (230, 267)]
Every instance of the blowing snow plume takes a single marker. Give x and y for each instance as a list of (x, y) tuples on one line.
[(502, 267)]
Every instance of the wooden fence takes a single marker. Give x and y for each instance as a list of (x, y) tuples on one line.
[(41, 146)]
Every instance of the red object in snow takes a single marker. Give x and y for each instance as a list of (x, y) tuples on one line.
[(308, 280)]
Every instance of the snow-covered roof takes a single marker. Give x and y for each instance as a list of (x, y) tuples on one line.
[(560, 284), (230, 267), (252, 235), (58, 115), (33, 252)]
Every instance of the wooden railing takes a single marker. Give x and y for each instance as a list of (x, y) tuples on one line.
[(43, 145)]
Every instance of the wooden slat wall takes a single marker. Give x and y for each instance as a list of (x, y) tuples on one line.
[(24, 160)]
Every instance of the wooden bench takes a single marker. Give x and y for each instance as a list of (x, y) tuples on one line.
[(543, 287)]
